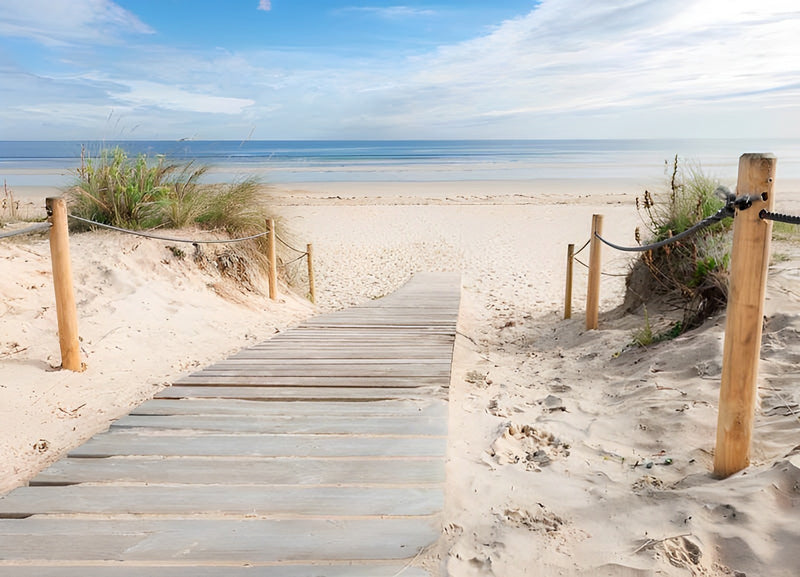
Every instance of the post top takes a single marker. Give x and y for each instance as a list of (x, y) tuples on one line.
[(757, 155)]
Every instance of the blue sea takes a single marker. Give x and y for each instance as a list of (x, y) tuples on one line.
[(53, 163)]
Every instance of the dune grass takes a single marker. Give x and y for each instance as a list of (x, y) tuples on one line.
[(145, 193), (693, 273)]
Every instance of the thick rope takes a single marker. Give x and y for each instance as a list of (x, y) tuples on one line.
[(776, 216), (718, 216), (30, 229), (729, 210), (165, 238)]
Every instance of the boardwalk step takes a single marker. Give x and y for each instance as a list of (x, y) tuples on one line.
[(319, 452)]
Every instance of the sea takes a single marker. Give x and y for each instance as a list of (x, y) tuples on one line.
[(54, 163)]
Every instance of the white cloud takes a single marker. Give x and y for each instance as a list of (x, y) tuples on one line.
[(392, 11), (54, 22), (144, 93), (568, 68), (265, 5), (570, 58)]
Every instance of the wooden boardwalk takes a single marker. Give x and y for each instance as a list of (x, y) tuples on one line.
[(320, 452)]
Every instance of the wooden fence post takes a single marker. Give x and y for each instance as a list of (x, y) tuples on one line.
[(309, 255), (273, 260), (568, 292), (748, 279), (66, 312), (595, 268)]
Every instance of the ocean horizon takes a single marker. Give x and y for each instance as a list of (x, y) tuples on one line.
[(53, 163)]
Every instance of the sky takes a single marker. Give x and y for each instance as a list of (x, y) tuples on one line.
[(432, 69)]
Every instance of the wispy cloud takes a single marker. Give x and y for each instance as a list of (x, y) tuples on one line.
[(55, 22), (391, 11), (265, 5), (571, 57), (567, 68), (141, 93)]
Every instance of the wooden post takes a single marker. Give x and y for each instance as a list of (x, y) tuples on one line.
[(273, 260), (309, 255), (66, 312), (595, 268), (568, 293), (748, 279)]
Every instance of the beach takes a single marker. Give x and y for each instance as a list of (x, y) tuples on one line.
[(621, 436)]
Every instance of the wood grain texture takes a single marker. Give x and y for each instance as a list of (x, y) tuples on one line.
[(743, 326), (318, 452)]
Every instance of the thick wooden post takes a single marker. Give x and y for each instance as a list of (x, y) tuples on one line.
[(568, 292), (66, 312), (310, 256), (272, 274), (748, 280), (595, 268)]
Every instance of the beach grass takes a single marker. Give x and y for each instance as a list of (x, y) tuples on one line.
[(143, 193), (692, 273)]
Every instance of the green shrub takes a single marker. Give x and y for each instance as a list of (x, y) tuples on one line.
[(142, 193), (693, 272), (117, 190)]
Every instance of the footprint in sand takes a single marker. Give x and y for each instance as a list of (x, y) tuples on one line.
[(530, 447)]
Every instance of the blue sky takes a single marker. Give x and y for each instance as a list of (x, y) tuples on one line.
[(339, 69)]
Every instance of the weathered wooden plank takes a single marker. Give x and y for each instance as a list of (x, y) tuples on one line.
[(327, 371), (428, 323), (320, 381), (378, 339), (288, 424), (334, 364), (429, 408), (390, 330), (349, 569), (393, 381), (362, 471), (355, 324), (372, 350), (129, 443), (216, 388), (262, 500), (339, 353), (213, 540), (266, 435)]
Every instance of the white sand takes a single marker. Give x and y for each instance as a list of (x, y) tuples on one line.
[(552, 428)]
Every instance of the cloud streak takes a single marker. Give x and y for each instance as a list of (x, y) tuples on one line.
[(568, 68), (59, 22), (391, 12)]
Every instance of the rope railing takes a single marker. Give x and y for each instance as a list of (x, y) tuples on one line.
[(580, 262), (28, 230), (66, 310), (165, 238), (294, 260), (727, 211), (732, 203), (272, 276), (778, 217), (287, 245), (577, 252), (749, 263)]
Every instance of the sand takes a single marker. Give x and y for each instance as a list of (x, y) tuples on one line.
[(571, 452)]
